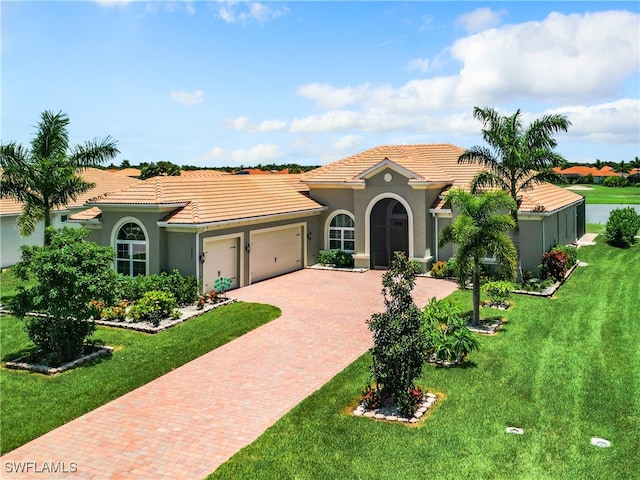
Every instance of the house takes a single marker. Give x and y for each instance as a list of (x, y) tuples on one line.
[(10, 239), (252, 227), (580, 171)]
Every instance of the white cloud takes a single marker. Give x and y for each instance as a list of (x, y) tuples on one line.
[(480, 19), (348, 142), (328, 97), (188, 99), (564, 57), (262, 153), (421, 64), (216, 153), (234, 11), (244, 125), (113, 3), (612, 122)]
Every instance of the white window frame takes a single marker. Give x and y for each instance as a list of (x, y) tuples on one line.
[(130, 243), (342, 230)]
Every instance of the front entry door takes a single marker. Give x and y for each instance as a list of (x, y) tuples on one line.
[(389, 232)]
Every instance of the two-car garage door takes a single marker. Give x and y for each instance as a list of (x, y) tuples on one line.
[(275, 251)]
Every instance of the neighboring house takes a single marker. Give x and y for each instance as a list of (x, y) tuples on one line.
[(634, 175), (253, 227), (10, 238), (579, 171)]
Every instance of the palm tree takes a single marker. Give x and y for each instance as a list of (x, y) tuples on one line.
[(45, 176), (480, 232), (516, 157)]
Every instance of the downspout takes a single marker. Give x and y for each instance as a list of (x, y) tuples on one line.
[(197, 260), (436, 236), (543, 236)]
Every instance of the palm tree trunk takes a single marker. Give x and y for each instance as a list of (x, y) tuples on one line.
[(476, 292), (515, 238)]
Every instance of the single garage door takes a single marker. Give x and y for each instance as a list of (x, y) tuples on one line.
[(274, 252), (221, 260)]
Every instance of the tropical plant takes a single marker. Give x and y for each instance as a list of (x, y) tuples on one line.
[(615, 182), (399, 345), (442, 269), (554, 265), (517, 157), (480, 232), (45, 176), (446, 331), (68, 273), (622, 227), (153, 307), (499, 292)]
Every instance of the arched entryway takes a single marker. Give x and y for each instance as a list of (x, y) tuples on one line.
[(389, 232)]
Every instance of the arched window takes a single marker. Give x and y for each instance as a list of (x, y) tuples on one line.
[(342, 233), (131, 250)]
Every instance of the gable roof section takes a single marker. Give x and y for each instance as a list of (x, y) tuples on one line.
[(584, 170), (220, 198), (423, 164)]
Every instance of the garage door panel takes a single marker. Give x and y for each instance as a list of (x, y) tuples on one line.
[(221, 260), (275, 252)]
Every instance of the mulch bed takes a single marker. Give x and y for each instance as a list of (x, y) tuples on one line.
[(28, 362)]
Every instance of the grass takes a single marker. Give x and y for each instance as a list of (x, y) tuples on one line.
[(33, 404), (599, 194), (565, 369)]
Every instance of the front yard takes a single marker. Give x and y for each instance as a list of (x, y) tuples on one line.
[(564, 369), (33, 404)]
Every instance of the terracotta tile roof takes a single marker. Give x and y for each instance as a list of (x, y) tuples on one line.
[(437, 163), (203, 173), (220, 198), (126, 172), (105, 182), (584, 170)]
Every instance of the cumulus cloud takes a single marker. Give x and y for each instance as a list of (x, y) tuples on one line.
[(348, 142), (216, 153), (328, 97), (563, 57), (244, 125), (262, 153), (234, 11), (188, 99), (480, 19), (421, 64)]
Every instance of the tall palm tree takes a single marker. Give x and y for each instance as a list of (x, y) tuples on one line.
[(480, 232), (517, 157), (44, 177)]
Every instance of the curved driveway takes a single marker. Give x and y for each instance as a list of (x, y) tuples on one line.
[(189, 421)]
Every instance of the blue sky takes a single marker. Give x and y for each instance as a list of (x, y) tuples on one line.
[(242, 83)]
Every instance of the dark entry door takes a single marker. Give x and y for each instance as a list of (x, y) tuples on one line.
[(389, 232)]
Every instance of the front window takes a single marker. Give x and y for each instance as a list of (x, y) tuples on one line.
[(131, 250), (342, 233)]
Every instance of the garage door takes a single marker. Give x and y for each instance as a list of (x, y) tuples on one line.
[(221, 260), (275, 252)]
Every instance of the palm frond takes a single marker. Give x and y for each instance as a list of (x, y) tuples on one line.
[(94, 152), (52, 137)]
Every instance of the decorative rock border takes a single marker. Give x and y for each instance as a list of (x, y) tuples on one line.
[(391, 413), (147, 327), (486, 328), (23, 364)]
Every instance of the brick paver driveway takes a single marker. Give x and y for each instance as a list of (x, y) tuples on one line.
[(189, 421)]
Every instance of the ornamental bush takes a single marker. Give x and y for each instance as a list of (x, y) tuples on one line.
[(442, 269), (446, 332), (622, 227), (498, 291), (554, 265), (184, 289), (153, 307), (399, 343), (337, 258), (615, 182), (68, 273), (570, 251)]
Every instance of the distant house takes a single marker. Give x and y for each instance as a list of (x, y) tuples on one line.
[(252, 227), (580, 171), (10, 238)]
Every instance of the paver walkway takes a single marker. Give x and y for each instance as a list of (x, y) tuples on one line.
[(191, 420)]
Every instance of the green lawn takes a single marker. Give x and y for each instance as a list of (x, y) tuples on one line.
[(33, 404), (565, 369), (610, 195)]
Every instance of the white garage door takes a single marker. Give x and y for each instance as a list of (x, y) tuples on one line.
[(275, 252), (221, 260)]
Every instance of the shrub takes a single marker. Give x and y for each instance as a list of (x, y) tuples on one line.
[(153, 307), (570, 251), (498, 292), (399, 345), (337, 258), (68, 273), (615, 182), (446, 332), (442, 269), (554, 265), (622, 227), (184, 289)]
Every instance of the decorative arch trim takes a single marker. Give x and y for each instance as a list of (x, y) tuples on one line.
[(114, 237), (367, 220), (328, 221)]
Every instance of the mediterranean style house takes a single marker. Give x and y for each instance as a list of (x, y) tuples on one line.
[(252, 227)]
